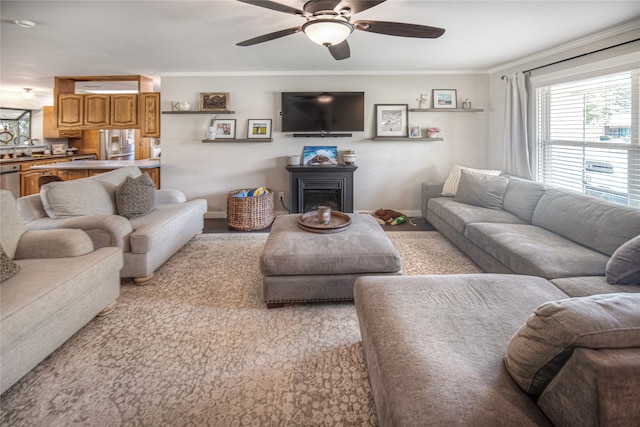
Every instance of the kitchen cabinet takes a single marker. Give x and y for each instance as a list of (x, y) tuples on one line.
[(124, 111), (149, 114), (139, 110), (70, 174), (97, 110), (49, 126), (70, 111), (29, 178)]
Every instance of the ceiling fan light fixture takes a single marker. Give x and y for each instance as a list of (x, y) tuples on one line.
[(327, 32)]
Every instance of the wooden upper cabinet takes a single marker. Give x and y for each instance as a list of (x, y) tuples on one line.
[(49, 129), (97, 110), (70, 111), (124, 110), (149, 114)]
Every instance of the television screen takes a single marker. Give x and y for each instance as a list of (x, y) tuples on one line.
[(322, 111)]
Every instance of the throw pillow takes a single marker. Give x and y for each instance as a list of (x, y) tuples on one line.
[(136, 197), (623, 268), (522, 196), (538, 351), (7, 267), (451, 184), (486, 191), (79, 197)]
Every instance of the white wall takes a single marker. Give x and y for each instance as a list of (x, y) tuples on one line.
[(389, 174)]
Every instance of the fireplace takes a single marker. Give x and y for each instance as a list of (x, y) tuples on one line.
[(313, 186)]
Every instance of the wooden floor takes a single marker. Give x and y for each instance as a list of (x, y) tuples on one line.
[(219, 225)]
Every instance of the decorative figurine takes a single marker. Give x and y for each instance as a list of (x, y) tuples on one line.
[(422, 101), (466, 104)]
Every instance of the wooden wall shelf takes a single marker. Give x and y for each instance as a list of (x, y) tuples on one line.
[(404, 138), (199, 112), (222, 140), (445, 110)]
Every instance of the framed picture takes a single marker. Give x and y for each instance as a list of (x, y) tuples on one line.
[(259, 128), (414, 132), (391, 119), (324, 155), (225, 129), (214, 101), (445, 98)]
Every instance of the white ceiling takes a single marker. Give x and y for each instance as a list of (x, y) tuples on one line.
[(156, 38)]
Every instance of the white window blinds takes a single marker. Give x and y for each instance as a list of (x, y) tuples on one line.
[(587, 136)]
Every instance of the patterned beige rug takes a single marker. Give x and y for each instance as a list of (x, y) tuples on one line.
[(199, 348)]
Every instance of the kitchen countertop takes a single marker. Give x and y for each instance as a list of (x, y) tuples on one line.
[(100, 164)]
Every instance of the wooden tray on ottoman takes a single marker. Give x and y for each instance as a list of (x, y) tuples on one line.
[(340, 221)]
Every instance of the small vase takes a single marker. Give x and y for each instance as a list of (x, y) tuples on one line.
[(432, 134)]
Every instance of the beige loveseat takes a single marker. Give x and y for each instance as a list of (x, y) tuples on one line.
[(90, 204), (61, 283)]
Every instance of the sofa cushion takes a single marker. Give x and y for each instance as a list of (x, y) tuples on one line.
[(458, 215), (486, 191), (136, 196), (527, 249), (434, 347), (522, 196), (80, 197), (623, 267), (590, 221), (113, 179), (541, 347), (164, 222), (451, 184), (7, 267), (583, 286)]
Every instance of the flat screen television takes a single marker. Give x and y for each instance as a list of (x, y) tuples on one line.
[(322, 112)]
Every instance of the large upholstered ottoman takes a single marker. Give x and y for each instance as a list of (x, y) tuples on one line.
[(301, 266)]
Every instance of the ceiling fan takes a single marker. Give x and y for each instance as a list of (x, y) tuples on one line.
[(328, 23)]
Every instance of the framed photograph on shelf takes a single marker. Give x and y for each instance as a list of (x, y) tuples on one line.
[(391, 120), (214, 101), (445, 98), (414, 132), (323, 155), (259, 128), (225, 128)]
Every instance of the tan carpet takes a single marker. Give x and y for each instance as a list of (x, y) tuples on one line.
[(199, 348)]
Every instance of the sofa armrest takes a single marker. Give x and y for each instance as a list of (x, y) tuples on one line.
[(169, 196), (104, 230), (60, 243), (595, 388), (430, 190)]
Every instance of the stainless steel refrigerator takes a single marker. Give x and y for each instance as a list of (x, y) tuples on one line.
[(117, 144)]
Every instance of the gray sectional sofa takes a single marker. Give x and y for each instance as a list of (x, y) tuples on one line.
[(53, 283), (156, 225), (550, 336)]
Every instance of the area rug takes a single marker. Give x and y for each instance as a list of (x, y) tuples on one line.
[(197, 347)]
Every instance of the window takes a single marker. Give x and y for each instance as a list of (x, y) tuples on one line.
[(587, 136)]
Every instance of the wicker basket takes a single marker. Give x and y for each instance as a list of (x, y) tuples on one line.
[(249, 213)]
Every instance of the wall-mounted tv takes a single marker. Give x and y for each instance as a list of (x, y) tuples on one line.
[(322, 112)]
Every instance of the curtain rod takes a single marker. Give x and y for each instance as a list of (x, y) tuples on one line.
[(578, 56)]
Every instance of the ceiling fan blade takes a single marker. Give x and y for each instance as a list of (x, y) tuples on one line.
[(275, 6), (399, 29), (340, 51), (358, 5), (270, 36)]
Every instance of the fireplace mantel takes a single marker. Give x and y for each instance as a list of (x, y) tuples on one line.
[(332, 179)]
